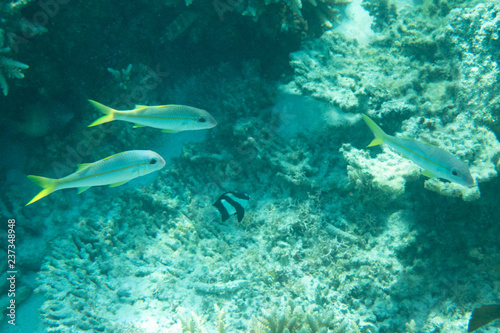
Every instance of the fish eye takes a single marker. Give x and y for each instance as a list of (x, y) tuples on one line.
[(153, 161), (454, 172), (202, 120)]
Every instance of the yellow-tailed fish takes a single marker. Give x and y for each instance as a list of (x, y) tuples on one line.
[(114, 171), (169, 118), (436, 162)]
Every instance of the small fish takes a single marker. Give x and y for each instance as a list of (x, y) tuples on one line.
[(436, 162), (169, 118), (483, 315), (114, 171), (231, 203)]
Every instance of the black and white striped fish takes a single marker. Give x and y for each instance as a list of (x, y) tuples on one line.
[(232, 203)]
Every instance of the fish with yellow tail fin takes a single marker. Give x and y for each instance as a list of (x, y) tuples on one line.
[(114, 171), (436, 162), (169, 118)]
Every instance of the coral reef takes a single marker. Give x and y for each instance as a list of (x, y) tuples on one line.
[(309, 250), (472, 41), (337, 71), (389, 85), (334, 239)]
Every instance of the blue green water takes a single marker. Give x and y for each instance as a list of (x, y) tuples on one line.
[(337, 237)]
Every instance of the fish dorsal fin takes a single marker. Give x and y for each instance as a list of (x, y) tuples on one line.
[(138, 126), (429, 174), (119, 183), (428, 144), (83, 189), (138, 106), (82, 166), (107, 158)]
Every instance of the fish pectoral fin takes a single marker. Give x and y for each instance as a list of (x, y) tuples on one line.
[(83, 189), (82, 166), (138, 125), (376, 142), (169, 131), (119, 183), (429, 174)]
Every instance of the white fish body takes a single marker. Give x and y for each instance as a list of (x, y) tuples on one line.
[(169, 118), (436, 162), (114, 170)]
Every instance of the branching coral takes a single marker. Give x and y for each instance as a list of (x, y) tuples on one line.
[(10, 68), (293, 319), (195, 324)]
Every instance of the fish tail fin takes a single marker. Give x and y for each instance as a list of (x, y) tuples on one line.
[(106, 110), (377, 131), (48, 184)]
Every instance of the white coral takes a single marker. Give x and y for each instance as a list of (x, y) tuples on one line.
[(10, 68)]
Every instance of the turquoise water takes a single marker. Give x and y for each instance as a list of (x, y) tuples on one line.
[(336, 237)]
